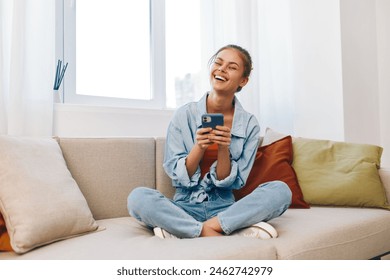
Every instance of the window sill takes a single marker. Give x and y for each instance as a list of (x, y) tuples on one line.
[(74, 120)]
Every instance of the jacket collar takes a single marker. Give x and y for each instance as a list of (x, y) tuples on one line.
[(238, 129)]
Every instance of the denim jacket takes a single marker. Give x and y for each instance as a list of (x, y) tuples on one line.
[(181, 137)]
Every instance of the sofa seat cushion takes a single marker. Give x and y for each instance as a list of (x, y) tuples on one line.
[(316, 233), (326, 232), (125, 238)]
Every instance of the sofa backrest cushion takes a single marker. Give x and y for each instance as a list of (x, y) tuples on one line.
[(107, 169), (163, 182), (385, 178)]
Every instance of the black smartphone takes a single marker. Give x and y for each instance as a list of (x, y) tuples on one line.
[(212, 120)]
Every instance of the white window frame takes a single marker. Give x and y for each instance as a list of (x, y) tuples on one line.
[(66, 35)]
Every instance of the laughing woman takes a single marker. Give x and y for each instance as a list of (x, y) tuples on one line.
[(204, 203)]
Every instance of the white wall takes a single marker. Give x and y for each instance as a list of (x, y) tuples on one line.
[(383, 52), (360, 71), (365, 28)]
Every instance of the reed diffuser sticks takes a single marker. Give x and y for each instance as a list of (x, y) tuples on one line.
[(60, 72)]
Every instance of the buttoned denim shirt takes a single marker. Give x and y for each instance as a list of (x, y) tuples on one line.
[(181, 137)]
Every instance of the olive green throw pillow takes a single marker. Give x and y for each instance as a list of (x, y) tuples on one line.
[(339, 173)]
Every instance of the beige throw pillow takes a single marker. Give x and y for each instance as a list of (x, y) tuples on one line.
[(272, 136), (40, 201)]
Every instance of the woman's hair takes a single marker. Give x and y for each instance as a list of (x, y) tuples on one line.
[(246, 57)]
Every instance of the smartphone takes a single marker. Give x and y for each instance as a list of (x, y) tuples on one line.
[(212, 120)]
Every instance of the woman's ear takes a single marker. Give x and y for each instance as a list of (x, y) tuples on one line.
[(244, 81)]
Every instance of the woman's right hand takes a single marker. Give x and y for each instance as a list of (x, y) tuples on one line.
[(196, 154), (202, 139)]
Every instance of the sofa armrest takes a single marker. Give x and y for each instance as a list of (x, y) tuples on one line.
[(385, 177)]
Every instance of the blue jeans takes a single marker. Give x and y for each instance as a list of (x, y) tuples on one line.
[(185, 219)]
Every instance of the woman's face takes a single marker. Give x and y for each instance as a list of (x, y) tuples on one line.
[(227, 71)]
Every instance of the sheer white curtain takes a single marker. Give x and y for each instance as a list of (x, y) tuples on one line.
[(27, 65), (263, 28), (233, 22), (275, 63)]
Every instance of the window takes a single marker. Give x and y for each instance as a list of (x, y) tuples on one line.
[(113, 48), (183, 52), (134, 53)]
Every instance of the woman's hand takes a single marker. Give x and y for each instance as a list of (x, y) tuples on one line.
[(206, 137), (220, 135), (196, 154), (202, 138)]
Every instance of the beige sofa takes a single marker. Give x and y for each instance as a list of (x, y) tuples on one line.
[(106, 170)]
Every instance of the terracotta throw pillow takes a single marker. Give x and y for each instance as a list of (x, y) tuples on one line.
[(5, 244), (273, 162)]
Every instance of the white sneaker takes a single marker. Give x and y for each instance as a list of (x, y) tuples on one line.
[(162, 233), (260, 230)]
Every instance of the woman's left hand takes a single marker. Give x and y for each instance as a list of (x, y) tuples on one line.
[(220, 135)]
